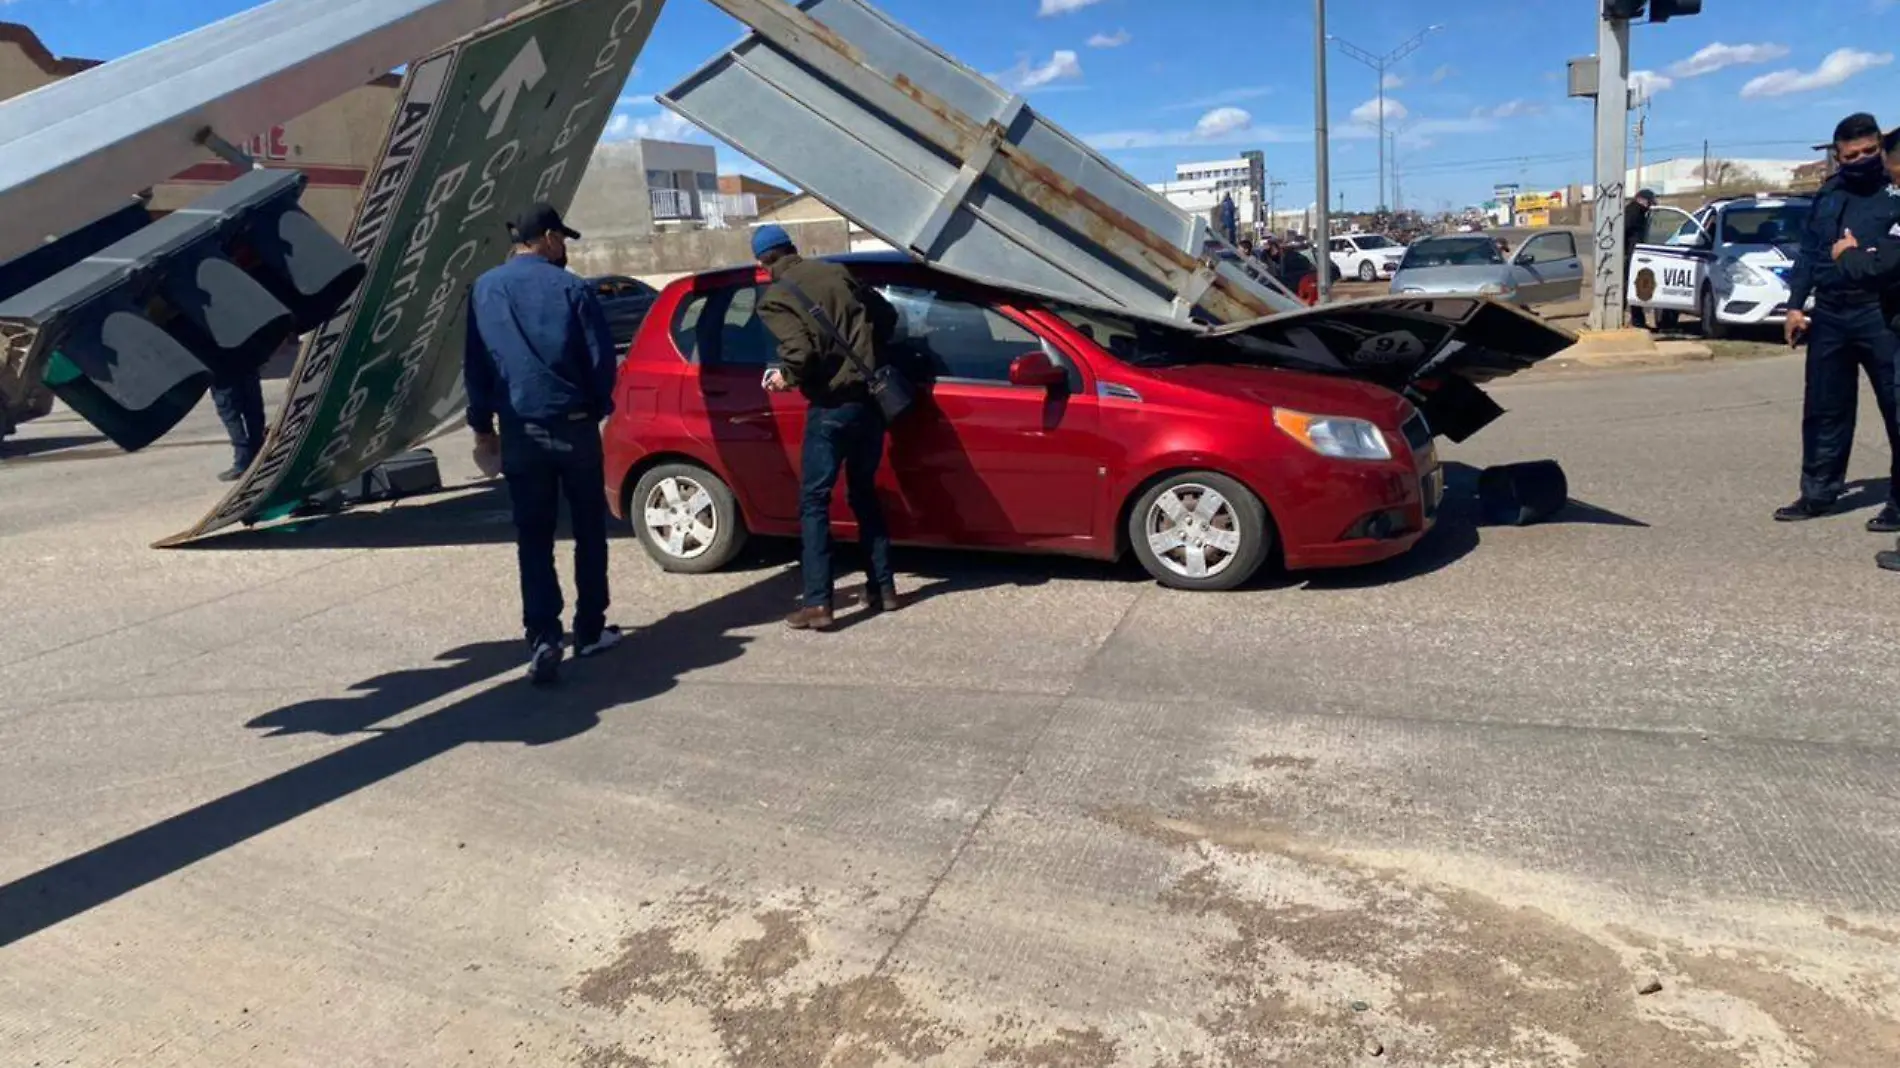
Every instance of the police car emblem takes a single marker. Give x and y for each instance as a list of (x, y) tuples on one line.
[(1645, 284)]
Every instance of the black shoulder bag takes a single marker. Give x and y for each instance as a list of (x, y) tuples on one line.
[(886, 383)]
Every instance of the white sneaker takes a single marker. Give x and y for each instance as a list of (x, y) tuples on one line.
[(610, 636)]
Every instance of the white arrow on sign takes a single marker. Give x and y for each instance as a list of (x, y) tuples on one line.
[(525, 71)]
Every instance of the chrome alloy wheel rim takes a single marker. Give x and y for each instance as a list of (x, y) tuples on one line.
[(1193, 531), (680, 517)]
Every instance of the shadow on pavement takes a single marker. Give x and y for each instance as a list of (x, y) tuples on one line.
[(20, 448), (505, 711), (1864, 493), (474, 514), (1454, 536)]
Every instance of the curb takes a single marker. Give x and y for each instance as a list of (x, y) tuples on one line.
[(1629, 348)]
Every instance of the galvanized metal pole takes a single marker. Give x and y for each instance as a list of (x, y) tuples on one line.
[(1322, 227), (1380, 71), (1608, 308)]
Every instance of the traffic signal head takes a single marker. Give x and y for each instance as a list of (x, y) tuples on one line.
[(1659, 10), (143, 326)]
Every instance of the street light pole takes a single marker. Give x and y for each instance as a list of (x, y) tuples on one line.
[(1608, 310), (1380, 64), (1322, 227)]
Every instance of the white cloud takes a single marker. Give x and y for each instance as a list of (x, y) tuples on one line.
[(1062, 66), (1647, 83), (1511, 109), (1223, 121), (1367, 114), (666, 126), (1443, 73), (1111, 40), (1719, 56), (1063, 7), (1393, 81), (1222, 99), (1838, 67)]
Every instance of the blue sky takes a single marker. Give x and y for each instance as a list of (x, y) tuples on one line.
[(1482, 101)]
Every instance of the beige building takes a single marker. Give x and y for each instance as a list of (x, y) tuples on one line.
[(334, 145)]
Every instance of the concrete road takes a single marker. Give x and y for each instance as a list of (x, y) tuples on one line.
[(282, 800)]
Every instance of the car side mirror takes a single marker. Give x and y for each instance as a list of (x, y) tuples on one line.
[(1523, 259), (1038, 371)]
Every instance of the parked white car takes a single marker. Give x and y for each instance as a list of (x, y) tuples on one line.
[(1727, 264), (1367, 257)]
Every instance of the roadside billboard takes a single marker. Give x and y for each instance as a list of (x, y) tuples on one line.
[(483, 127)]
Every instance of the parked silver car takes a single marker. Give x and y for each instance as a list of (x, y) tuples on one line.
[(1545, 268)]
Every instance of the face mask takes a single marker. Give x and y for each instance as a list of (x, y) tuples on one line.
[(1873, 168)]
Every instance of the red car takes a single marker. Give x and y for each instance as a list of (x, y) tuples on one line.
[(1039, 427)]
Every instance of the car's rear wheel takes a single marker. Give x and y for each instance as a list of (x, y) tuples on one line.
[(1712, 327), (687, 518), (1200, 531), (1367, 272)]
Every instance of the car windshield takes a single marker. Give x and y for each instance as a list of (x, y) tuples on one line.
[(1452, 252), (1375, 241), (1764, 224)]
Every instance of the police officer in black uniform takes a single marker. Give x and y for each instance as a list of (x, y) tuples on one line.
[(1877, 260), (1848, 329)]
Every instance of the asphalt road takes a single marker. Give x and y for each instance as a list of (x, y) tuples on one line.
[(281, 800)]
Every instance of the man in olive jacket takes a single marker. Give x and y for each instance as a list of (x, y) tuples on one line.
[(830, 332)]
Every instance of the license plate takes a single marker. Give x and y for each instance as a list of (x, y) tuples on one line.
[(1432, 488)]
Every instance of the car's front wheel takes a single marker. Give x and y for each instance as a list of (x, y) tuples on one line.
[(1367, 272), (1200, 531), (687, 518), (1713, 327)]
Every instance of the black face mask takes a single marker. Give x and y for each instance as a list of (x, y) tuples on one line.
[(1864, 171)]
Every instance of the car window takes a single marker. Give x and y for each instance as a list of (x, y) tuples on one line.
[(722, 329), (1459, 252), (686, 323), (956, 338), (744, 340), (1552, 248), (1763, 224), (1375, 241)]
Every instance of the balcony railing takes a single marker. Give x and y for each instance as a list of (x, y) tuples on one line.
[(716, 210)]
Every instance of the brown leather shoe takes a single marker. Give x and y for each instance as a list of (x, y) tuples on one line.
[(818, 618), (884, 600)]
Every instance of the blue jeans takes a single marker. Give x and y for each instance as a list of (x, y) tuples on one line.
[(1843, 343), (847, 437), (240, 403), (544, 462)]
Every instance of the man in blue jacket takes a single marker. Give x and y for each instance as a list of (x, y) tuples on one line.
[(1848, 330), (540, 359)]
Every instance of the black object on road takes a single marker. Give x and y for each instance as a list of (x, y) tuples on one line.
[(1516, 495)]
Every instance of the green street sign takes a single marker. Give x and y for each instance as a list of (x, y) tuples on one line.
[(483, 127)]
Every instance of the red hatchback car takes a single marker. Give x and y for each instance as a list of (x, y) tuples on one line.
[(1038, 427)]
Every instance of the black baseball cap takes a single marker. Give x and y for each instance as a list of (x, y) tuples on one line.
[(539, 219), (1856, 126)]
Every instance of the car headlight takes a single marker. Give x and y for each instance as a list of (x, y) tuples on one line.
[(1412, 289), (1741, 274), (1338, 436), (1496, 289)]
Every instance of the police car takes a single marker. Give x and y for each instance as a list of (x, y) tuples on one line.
[(1727, 264)]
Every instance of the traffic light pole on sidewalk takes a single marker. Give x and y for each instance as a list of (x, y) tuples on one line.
[(1609, 304), (1607, 307)]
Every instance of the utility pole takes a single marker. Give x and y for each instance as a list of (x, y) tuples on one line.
[(1322, 232), (1398, 201), (1609, 310), (1705, 166), (1273, 187), (1379, 65)]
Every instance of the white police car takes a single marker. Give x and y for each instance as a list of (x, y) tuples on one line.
[(1727, 264)]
